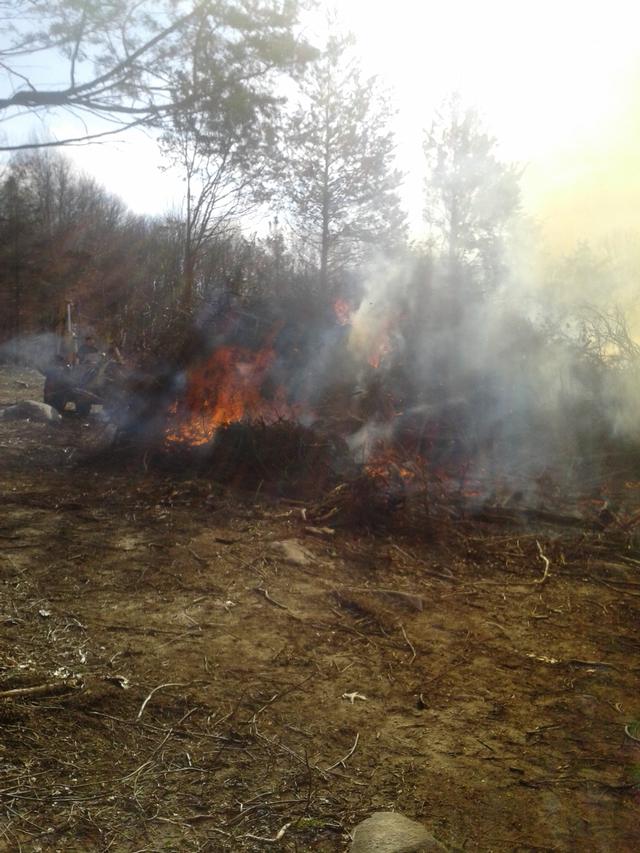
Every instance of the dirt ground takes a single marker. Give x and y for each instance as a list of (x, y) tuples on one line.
[(205, 688)]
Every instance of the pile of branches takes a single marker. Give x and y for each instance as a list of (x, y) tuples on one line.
[(285, 454), (396, 497), (283, 457)]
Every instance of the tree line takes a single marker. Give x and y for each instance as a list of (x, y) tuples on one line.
[(254, 118), (323, 164)]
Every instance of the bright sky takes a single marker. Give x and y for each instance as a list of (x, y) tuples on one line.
[(558, 82)]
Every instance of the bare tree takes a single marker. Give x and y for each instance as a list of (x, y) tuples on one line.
[(62, 237), (605, 336), (223, 158)]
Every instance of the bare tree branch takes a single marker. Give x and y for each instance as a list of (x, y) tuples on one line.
[(149, 60), (72, 140)]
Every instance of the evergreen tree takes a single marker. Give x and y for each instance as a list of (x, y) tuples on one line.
[(339, 181), (470, 197), (139, 62)]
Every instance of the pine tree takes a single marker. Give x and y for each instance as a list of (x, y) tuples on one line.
[(470, 197), (339, 181)]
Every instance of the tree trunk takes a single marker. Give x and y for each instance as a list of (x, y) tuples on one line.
[(188, 268), (324, 244)]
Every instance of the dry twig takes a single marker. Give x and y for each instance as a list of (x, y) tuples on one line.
[(155, 690), (278, 836), (410, 644), (546, 562), (52, 688), (627, 731), (345, 757), (264, 592)]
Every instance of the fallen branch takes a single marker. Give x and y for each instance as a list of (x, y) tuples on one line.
[(345, 757), (617, 588), (262, 591), (320, 531), (546, 562), (629, 735), (202, 560), (278, 836), (280, 695), (51, 688), (410, 644), (155, 690), (443, 574)]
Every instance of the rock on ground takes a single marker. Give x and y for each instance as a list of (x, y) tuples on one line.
[(33, 411), (390, 832), (292, 551)]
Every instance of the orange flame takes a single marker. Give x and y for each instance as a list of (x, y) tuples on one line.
[(387, 461), (229, 387), (343, 312), (382, 348)]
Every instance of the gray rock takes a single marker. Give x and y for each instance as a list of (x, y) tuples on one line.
[(407, 600), (390, 832), (30, 410), (292, 551)]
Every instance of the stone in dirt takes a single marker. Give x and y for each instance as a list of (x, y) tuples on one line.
[(397, 598), (292, 551), (31, 410), (390, 832)]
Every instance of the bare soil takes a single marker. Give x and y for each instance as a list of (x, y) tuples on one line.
[(201, 691)]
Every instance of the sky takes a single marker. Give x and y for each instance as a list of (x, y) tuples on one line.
[(558, 84)]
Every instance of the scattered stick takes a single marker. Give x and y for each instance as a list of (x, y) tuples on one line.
[(353, 696), (202, 560), (345, 757), (284, 748), (410, 644), (195, 818), (627, 731), (500, 628), (546, 562), (320, 531), (280, 695), (617, 588), (594, 664), (155, 690), (265, 593), (443, 574), (52, 688), (278, 836)]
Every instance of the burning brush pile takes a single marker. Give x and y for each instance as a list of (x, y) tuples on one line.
[(244, 415), (381, 414), (235, 419)]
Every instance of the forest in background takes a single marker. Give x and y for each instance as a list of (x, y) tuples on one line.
[(265, 127)]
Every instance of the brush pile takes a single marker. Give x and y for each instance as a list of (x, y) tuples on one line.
[(284, 454), (283, 457)]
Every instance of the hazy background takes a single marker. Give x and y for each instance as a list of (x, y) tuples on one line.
[(557, 82)]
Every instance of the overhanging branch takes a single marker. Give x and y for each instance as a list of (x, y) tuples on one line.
[(73, 140)]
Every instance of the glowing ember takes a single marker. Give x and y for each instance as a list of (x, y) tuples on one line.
[(382, 348), (343, 312), (233, 385), (386, 462)]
